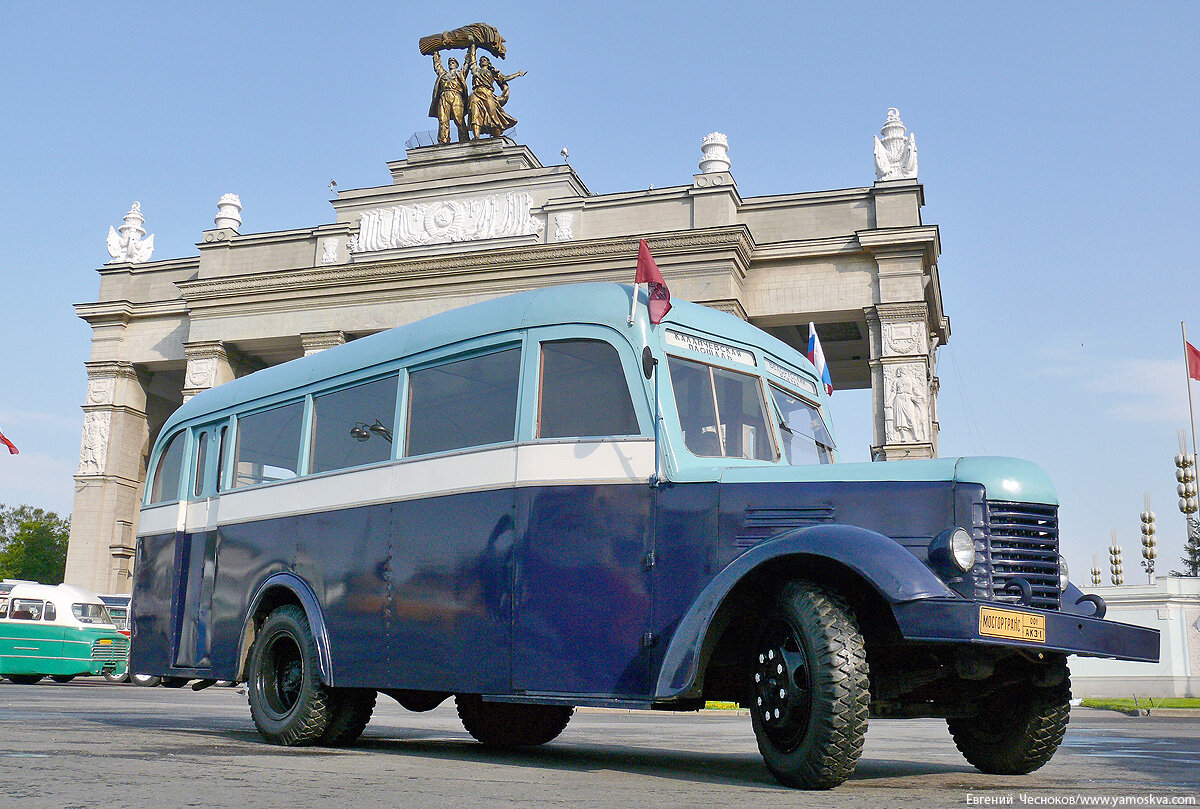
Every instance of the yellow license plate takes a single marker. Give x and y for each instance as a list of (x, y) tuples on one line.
[(105, 641), (1012, 624)]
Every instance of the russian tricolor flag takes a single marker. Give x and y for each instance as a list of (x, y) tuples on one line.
[(817, 357)]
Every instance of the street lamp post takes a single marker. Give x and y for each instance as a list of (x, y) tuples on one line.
[(1114, 561), (1149, 545)]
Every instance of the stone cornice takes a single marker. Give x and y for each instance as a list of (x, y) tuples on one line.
[(166, 265), (807, 198), (808, 247), (892, 312), (104, 313), (886, 240), (508, 262)]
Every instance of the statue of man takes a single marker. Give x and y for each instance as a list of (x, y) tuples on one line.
[(485, 109), (450, 96)]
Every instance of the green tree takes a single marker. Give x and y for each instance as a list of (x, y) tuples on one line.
[(1191, 550), (33, 544)]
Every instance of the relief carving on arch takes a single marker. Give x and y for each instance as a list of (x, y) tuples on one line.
[(94, 450), (201, 373), (904, 338), (101, 390), (906, 404)]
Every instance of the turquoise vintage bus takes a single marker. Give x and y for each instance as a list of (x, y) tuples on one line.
[(58, 631)]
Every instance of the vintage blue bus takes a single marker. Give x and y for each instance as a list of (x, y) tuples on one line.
[(531, 504)]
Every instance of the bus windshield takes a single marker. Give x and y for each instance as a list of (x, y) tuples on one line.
[(806, 439), (90, 613)]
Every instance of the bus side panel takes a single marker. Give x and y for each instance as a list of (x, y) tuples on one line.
[(685, 546), (249, 553), (150, 610), (345, 556), (451, 586)]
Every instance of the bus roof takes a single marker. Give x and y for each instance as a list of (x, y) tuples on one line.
[(591, 303)]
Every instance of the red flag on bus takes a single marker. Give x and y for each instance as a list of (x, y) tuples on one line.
[(647, 273), (12, 448)]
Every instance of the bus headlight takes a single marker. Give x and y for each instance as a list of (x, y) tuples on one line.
[(953, 548), (1064, 575)]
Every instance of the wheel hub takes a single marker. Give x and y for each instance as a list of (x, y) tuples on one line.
[(781, 686)]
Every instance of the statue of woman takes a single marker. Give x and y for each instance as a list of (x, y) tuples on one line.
[(485, 108)]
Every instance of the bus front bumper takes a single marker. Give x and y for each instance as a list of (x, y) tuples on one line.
[(937, 620)]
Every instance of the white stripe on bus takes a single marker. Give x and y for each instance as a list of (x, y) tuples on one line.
[(574, 462)]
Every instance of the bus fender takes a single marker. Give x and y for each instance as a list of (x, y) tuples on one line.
[(312, 611), (889, 568)]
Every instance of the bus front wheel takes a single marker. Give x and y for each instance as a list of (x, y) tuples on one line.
[(809, 688), (288, 702), (25, 679)]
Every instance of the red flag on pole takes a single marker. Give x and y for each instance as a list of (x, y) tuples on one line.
[(12, 448), (658, 294), (1193, 359)]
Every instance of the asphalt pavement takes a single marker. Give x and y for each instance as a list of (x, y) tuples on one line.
[(93, 744)]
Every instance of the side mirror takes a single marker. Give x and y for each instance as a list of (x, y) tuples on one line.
[(648, 362)]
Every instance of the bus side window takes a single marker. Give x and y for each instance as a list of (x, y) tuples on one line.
[(201, 457), (268, 445), (165, 486), (468, 403), (583, 391), (221, 436), (25, 609), (3, 607), (353, 427), (51, 612)]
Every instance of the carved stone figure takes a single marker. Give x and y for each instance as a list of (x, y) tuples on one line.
[(907, 400), (450, 96), (485, 108), (96, 428), (562, 227), (129, 242), (329, 250), (895, 155)]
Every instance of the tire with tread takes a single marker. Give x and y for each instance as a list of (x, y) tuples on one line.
[(507, 724), (62, 678), (145, 680), (25, 679), (1019, 732), (350, 713), (810, 691), (173, 682), (288, 702)]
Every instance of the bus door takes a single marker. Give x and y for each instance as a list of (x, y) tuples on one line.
[(583, 582), (196, 550)]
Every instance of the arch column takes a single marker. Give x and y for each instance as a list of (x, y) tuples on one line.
[(903, 384), (108, 484)]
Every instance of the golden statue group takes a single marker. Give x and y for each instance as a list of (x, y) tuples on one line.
[(477, 112)]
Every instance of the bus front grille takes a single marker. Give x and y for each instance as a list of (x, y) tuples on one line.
[(110, 652), (1023, 543)]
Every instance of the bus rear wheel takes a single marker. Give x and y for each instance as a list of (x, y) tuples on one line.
[(809, 688), (25, 679), (507, 724), (288, 702), (62, 678), (351, 711)]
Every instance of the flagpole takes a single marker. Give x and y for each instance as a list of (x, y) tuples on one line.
[(1187, 374), (633, 305)]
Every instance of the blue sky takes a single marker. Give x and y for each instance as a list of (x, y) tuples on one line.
[(1057, 149)]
